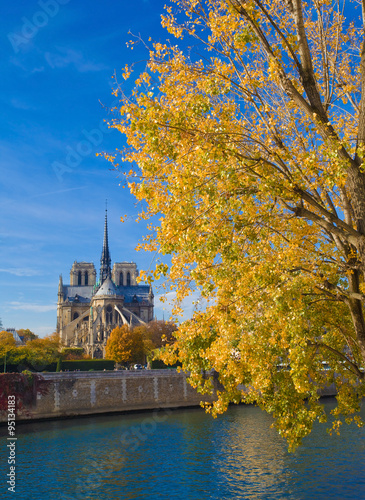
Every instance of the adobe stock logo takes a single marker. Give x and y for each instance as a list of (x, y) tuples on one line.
[(75, 155), (40, 19), (92, 139)]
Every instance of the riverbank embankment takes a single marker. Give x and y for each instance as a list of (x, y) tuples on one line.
[(71, 394)]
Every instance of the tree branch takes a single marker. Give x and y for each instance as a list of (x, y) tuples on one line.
[(356, 370), (327, 226), (330, 216)]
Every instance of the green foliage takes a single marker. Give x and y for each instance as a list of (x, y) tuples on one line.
[(59, 365), (72, 353), (25, 365), (158, 364), (40, 353), (36, 355)]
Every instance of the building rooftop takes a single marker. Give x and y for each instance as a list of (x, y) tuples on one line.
[(107, 288)]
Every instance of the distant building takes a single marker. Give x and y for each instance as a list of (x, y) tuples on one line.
[(88, 310), (17, 339)]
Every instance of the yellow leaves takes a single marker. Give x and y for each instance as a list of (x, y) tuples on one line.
[(273, 68), (168, 22), (126, 72), (7, 339), (158, 47), (249, 193), (125, 345), (335, 427), (144, 78)]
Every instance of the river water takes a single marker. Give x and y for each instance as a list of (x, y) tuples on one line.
[(184, 455)]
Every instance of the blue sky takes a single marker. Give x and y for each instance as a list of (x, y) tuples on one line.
[(58, 58)]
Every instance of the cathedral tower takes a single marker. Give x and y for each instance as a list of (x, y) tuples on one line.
[(88, 311)]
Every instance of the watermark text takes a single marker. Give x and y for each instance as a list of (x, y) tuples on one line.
[(11, 445)]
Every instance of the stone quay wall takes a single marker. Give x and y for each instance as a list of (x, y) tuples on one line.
[(84, 393), (70, 394)]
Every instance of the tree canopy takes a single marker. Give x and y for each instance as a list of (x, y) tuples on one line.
[(246, 135), (125, 345), (36, 354), (157, 333), (7, 344), (26, 334)]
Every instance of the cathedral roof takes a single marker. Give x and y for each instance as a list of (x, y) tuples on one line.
[(130, 292), (107, 288), (81, 294)]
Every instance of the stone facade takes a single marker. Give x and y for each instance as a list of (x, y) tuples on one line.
[(82, 393), (125, 274), (88, 310), (83, 274)]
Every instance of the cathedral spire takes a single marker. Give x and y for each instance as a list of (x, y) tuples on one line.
[(105, 261), (60, 289)]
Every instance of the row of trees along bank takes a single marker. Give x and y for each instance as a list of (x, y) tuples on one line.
[(124, 346)]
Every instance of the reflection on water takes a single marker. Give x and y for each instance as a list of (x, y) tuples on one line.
[(183, 454), (255, 458)]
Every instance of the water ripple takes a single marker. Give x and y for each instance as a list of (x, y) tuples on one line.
[(184, 455)]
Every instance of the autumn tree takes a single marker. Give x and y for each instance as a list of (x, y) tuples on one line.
[(7, 347), (7, 341), (36, 354), (26, 334), (248, 138), (74, 353), (160, 333), (157, 335), (40, 352), (125, 345)]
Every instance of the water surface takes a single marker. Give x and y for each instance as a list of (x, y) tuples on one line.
[(182, 454)]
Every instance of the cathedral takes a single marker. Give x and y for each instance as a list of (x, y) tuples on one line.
[(88, 310)]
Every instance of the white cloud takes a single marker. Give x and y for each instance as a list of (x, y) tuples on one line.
[(38, 70), (21, 271), (19, 104), (24, 306), (66, 57)]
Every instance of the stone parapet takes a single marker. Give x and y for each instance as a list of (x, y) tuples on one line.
[(84, 393)]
